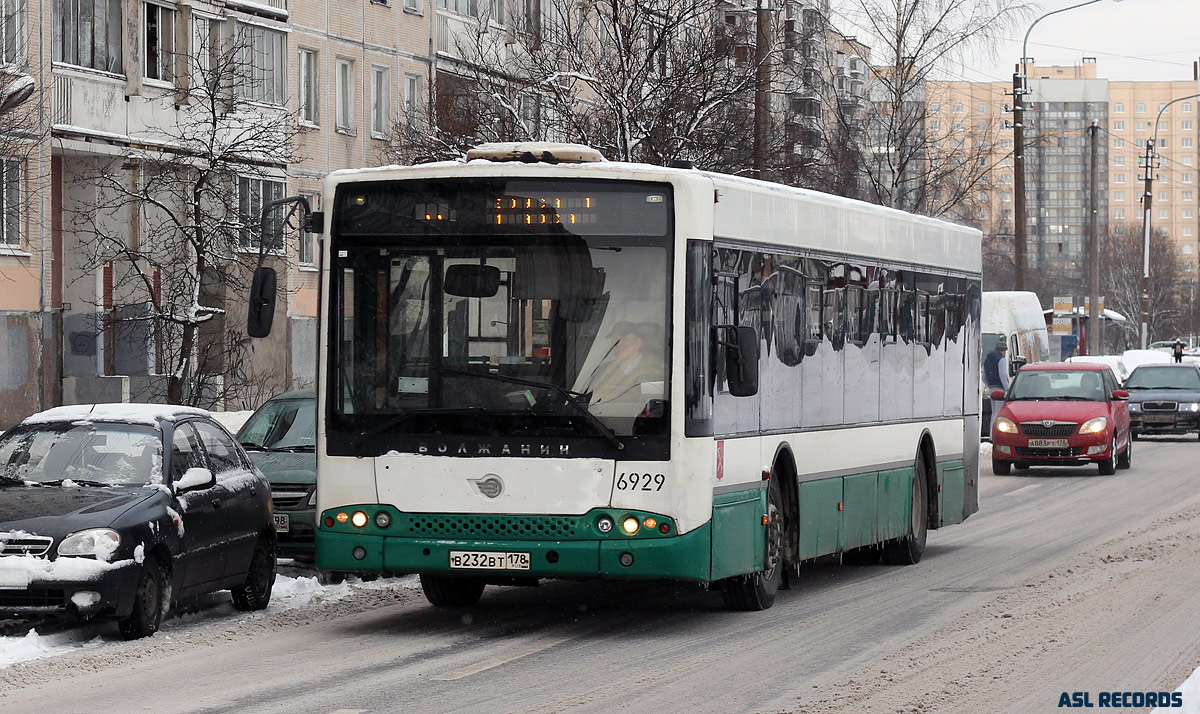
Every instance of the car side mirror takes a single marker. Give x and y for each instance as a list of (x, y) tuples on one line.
[(998, 394), (261, 312), (1120, 394), (1015, 365), (195, 478), (741, 359)]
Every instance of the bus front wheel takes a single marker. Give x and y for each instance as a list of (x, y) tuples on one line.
[(443, 591), (909, 549), (756, 591)]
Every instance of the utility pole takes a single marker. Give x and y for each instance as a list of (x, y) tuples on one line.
[(1093, 336), (762, 87), (1147, 199), (1020, 247)]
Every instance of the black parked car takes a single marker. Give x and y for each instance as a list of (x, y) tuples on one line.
[(117, 511), (1164, 399)]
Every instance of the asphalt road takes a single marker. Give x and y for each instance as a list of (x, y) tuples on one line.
[(1065, 581)]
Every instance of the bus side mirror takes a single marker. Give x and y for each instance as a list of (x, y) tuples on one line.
[(261, 313), (1015, 365), (741, 359)]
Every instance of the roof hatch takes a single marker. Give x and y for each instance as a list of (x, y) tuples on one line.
[(532, 152)]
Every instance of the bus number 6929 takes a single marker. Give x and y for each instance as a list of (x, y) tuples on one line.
[(640, 482)]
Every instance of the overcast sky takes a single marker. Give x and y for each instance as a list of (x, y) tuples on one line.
[(1130, 39)]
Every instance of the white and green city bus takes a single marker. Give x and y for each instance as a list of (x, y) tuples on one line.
[(540, 364)]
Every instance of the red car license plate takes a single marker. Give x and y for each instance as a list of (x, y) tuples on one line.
[(1048, 443)]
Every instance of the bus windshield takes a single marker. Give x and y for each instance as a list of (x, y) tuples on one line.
[(494, 308)]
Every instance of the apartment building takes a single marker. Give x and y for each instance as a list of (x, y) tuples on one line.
[(1063, 102)]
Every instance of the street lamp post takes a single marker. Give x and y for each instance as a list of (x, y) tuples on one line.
[(1147, 200), (1020, 91)]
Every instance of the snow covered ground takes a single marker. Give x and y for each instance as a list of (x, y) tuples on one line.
[(295, 589)]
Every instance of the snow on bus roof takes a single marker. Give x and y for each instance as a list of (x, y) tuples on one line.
[(150, 414)]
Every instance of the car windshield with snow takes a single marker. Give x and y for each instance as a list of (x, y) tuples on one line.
[(118, 511)]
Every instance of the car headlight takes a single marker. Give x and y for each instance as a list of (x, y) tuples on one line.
[(1189, 406), (98, 542), (1094, 426), (1133, 407), (1005, 425)]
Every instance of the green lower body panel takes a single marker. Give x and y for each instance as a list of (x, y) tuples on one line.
[(739, 537), (895, 503), (860, 512), (682, 557), (820, 517), (952, 480)]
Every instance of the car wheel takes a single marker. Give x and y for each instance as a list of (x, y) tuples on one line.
[(1108, 467), (1133, 434), (256, 593), (150, 601), (1126, 458), (443, 591), (756, 591), (909, 549), (1001, 468)]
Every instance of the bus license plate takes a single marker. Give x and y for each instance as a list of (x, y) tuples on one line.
[(282, 523), (1048, 443), (484, 560)]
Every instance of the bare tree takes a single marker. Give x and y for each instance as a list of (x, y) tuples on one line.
[(651, 81), (905, 162), (1121, 283), (175, 226)]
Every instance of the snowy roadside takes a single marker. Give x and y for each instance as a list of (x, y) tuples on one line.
[(22, 641)]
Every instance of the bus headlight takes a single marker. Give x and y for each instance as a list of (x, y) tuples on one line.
[(359, 519), (1004, 425), (1094, 426), (630, 525), (604, 524), (383, 519)]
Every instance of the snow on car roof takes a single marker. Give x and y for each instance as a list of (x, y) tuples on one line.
[(150, 414)]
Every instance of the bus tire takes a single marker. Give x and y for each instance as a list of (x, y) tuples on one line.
[(445, 591), (757, 591), (909, 549)]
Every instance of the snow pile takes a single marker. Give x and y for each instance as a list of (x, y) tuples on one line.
[(985, 451), (1191, 697), (18, 571), (35, 646)]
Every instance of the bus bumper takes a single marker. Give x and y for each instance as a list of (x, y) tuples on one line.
[(675, 557)]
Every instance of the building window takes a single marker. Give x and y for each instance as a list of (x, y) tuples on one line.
[(1118, 142), (1186, 125), (262, 73), (1118, 161), (1186, 196), (1163, 197), (935, 125), (345, 95), (310, 88), (1118, 126), (1186, 178), (412, 98), (1006, 197), (1119, 108), (1006, 178), (1141, 125), (958, 108), (462, 7), (935, 107), (10, 203), (1186, 107), (12, 31), (1187, 212), (1119, 214), (1187, 233), (412, 5), (1163, 214), (1140, 108), (981, 108), (1118, 178), (1162, 106), (205, 45), (1186, 142), (380, 102), (307, 239), (253, 193), (1118, 195), (87, 33), (158, 30)]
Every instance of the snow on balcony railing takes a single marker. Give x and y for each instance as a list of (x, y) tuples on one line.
[(60, 99)]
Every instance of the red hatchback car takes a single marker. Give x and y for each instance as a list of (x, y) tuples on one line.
[(1058, 414)]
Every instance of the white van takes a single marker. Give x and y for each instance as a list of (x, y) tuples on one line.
[(1017, 319)]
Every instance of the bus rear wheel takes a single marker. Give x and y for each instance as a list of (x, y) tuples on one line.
[(909, 549), (443, 591), (757, 591)]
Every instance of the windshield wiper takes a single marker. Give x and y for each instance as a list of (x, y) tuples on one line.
[(76, 481), (294, 449), (571, 397)]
